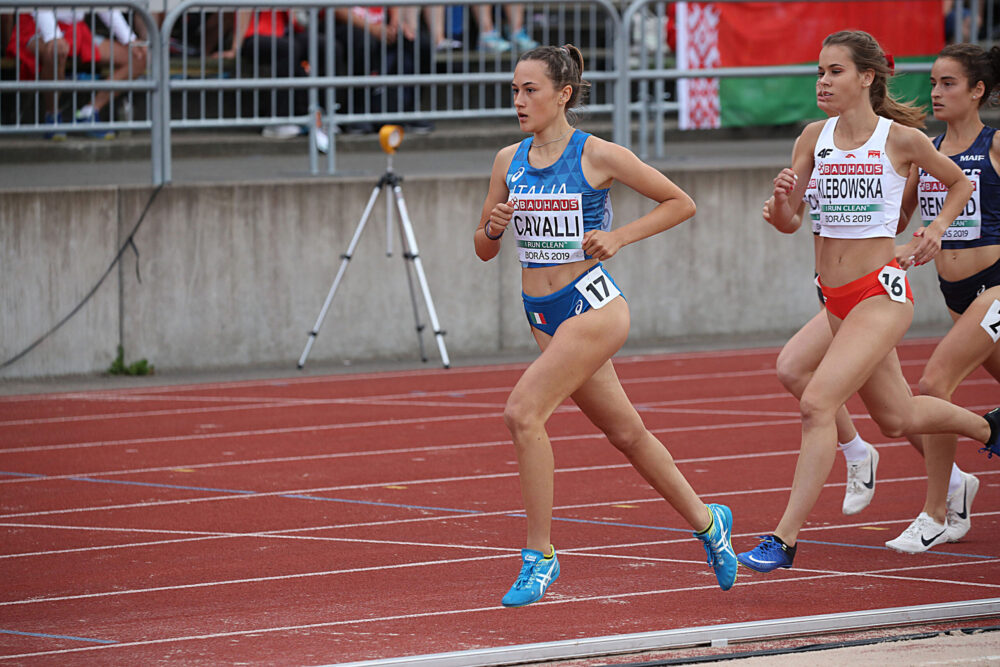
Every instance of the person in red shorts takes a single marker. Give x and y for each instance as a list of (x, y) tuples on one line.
[(862, 155), (45, 43)]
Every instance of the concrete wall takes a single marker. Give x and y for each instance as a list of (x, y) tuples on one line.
[(235, 274)]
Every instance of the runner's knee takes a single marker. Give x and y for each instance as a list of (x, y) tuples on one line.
[(934, 384), (816, 409), (892, 424), (521, 417), (627, 439)]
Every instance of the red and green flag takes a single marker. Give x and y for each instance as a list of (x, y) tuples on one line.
[(757, 34)]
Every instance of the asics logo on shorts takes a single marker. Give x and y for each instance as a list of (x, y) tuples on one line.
[(579, 307)]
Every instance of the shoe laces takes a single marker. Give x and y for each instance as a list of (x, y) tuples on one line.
[(990, 450), (854, 484), (768, 544), (916, 528), (709, 551), (526, 574)]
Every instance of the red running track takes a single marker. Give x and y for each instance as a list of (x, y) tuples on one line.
[(333, 519)]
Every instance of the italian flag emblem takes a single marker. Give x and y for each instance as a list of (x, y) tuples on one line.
[(757, 34), (537, 318)]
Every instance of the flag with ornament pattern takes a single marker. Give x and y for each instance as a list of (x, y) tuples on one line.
[(711, 35)]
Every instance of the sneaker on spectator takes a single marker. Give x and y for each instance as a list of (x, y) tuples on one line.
[(54, 119), (91, 117), (522, 40), (281, 131), (492, 42), (322, 141), (448, 44)]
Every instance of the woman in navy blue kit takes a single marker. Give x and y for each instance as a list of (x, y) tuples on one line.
[(963, 78), (548, 195)]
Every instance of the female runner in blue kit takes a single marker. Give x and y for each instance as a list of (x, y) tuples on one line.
[(549, 195), (964, 77)]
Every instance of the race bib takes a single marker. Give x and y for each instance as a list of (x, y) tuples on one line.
[(850, 194), (597, 288), (893, 280), (991, 322), (548, 228), (969, 223)]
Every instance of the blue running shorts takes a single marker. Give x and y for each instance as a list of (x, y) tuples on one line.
[(546, 313)]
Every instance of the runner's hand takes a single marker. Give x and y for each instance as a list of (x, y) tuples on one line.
[(600, 244), (924, 246), (500, 217), (784, 183)]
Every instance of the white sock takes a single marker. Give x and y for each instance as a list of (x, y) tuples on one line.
[(956, 479), (855, 450), (86, 110)]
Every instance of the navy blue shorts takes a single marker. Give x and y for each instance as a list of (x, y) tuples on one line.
[(959, 295), (546, 313)]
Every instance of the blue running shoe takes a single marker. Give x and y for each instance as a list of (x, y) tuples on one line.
[(993, 444), (90, 117), (492, 42), (769, 555), (54, 119), (537, 573), (718, 546)]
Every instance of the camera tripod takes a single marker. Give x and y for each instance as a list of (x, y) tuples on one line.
[(410, 253)]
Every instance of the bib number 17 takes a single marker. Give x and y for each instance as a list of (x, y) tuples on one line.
[(597, 288), (893, 280)]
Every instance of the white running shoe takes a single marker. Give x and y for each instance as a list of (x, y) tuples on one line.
[(920, 536), (860, 482), (281, 131), (960, 507)]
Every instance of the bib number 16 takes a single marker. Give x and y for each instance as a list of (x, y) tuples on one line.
[(894, 282), (597, 288)]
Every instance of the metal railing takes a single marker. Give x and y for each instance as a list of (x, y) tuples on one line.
[(331, 73), (82, 80), (473, 83)]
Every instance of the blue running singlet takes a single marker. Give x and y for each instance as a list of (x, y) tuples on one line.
[(563, 177)]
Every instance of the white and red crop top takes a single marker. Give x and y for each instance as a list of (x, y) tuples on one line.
[(859, 191)]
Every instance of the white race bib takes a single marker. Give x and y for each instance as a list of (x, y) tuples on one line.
[(894, 282), (969, 223), (850, 194), (548, 228), (991, 322), (597, 288)]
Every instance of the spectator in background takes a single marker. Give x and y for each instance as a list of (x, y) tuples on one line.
[(382, 43), (45, 42), (489, 36), (272, 39), (277, 40), (435, 21)]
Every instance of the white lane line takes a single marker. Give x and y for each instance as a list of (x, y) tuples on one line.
[(883, 574), (284, 402)]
